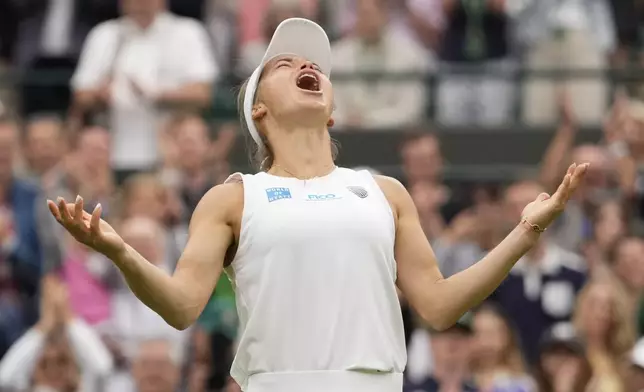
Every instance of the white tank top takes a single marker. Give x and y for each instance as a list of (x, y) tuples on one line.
[(314, 276)]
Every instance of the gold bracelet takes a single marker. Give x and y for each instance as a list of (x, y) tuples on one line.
[(533, 227)]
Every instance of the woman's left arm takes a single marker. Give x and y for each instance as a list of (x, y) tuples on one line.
[(439, 301)]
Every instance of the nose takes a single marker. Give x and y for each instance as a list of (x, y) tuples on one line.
[(307, 64)]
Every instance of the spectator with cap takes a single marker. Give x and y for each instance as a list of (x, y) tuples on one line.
[(497, 360), (635, 379), (450, 359), (562, 364)]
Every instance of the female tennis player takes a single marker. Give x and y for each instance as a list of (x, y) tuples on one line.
[(315, 252)]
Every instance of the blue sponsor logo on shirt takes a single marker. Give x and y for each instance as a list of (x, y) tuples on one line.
[(278, 194), (329, 196)]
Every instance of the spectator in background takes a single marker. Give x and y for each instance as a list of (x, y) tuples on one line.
[(451, 355), (374, 48), (253, 51), (604, 320), (60, 353), (541, 288), (49, 37), (220, 22), (44, 149), (139, 66), (156, 367), (28, 245), (562, 366), (497, 360), (565, 36), (628, 265), (132, 323), (86, 275), (475, 40)]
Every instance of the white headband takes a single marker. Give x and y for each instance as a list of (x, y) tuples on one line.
[(295, 36)]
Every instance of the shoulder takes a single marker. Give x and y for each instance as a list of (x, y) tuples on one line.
[(186, 26), (396, 194), (104, 30), (393, 189), (222, 202)]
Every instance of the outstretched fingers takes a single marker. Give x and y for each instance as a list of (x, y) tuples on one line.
[(570, 182), (95, 221)]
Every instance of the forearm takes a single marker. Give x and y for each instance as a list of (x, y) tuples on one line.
[(466, 289), (156, 289)]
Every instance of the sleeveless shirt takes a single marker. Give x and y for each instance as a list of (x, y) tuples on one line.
[(314, 278)]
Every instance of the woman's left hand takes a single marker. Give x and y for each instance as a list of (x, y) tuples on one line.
[(545, 209)]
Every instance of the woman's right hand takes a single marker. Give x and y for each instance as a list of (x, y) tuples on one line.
[(88, 229)]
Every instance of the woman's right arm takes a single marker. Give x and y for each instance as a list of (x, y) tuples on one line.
[(179, 298)]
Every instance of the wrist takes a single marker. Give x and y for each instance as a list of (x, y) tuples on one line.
[(119, 257), (528, 234)]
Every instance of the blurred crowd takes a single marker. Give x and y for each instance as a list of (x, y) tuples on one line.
[(106, 99)]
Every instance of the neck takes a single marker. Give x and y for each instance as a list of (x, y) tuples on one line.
[(144, 21), (303, 153)]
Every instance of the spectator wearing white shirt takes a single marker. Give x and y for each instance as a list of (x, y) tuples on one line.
[(140, 65), (375, 48), (60, 353), (564, 35)]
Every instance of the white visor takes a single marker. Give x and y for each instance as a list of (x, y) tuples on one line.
[(295, 36)]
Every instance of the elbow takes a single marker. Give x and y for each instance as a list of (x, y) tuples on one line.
[(181, 323)]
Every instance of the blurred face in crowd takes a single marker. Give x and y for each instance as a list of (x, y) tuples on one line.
[(555, 360), (154, 369), (94, 148), (451, 350), (8, 145), (596, 309), (283, 97), (629, 262), (44, 144), (517, 197), (142, 8), (193, 143), (145, 197), (422, 159), (610, 224), (57, 368), (492, 338), (372, 19), (146, 236)]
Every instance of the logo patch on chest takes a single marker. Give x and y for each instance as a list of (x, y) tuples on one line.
[(278, 194), (323, 197), (358, 191)]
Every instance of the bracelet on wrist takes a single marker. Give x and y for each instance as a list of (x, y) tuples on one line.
[(532, 226)]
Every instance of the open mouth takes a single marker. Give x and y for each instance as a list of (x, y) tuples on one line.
[(308, 81)]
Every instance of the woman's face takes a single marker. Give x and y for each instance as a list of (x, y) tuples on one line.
[(597, 311), (553, 361), (294, 90), (491, 337)]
